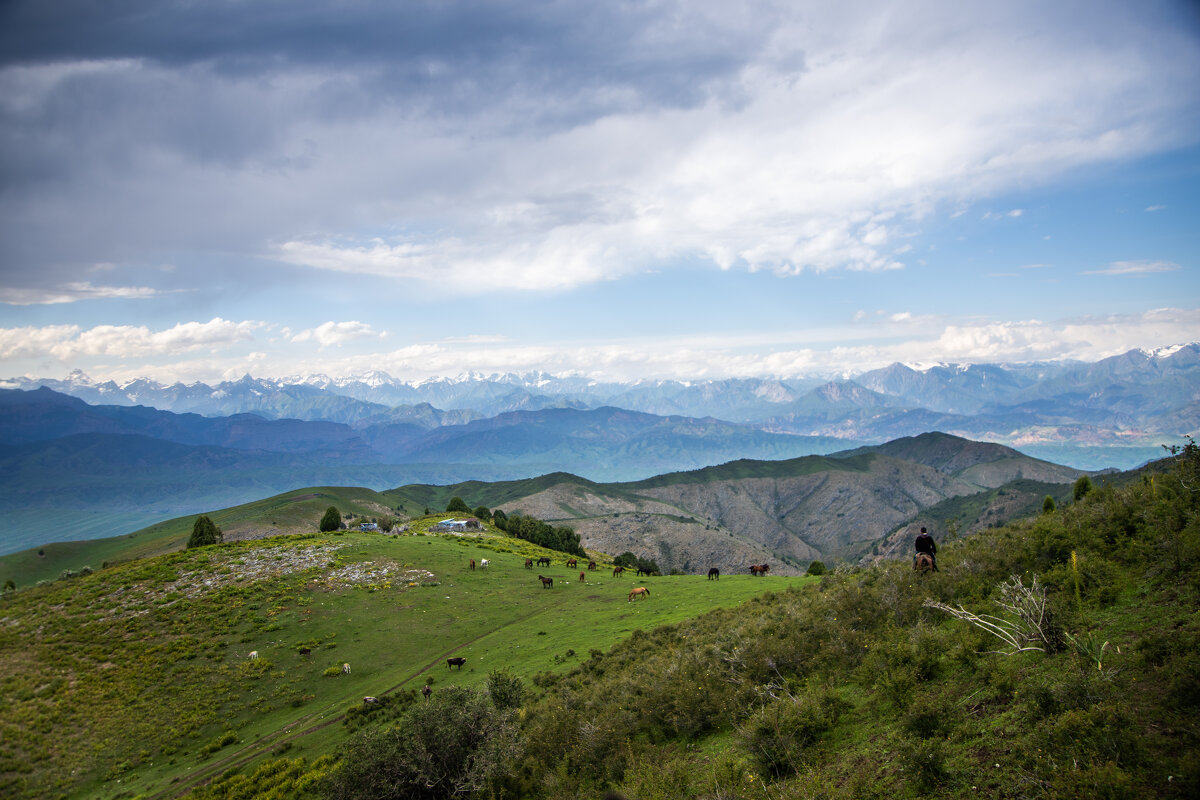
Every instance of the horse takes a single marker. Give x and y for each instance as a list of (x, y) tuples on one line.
[(617, 571), (472, 564), (457, 661), (547, 583), (306, 651), (922, 563), (427, 691), (529, 563), (582, 577), (759, 569), (345, 669), (643, 571), (572, 563), (591, 565), (254, 655), (483, 564), (714, 574), (640, 591), (544, 560), (370, 700)]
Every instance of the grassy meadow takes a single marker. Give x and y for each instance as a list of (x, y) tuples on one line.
[(136, 680)]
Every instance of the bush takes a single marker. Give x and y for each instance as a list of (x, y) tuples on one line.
[(453, 745), (816, 568), (780, 736)]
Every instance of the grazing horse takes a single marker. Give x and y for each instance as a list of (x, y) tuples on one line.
[(483, 564), (591, 565), (529, 563), (923, 562), (759, 569), (547, 583), (457, 661), (306, 651), (714, 574), (254, 655), (544, 560), (617, 571), (643, 571), (583, 577), (472, 564), (427, 691), (345, 669), (572, 563), (640, 591)]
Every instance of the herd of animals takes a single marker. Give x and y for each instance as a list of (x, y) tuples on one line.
[(639, 592)]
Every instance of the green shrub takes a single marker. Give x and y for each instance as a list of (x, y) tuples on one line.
[(781, 734)]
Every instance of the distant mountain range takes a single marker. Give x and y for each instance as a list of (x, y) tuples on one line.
[(64, 461), (1112, 413), (82, 460)]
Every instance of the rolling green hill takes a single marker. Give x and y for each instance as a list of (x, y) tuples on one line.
[(137, 679)]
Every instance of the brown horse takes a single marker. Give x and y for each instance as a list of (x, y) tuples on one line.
[(547, 583), (714, 574), (643, 571), (472, 564), (529, 563), (617, 571), (640, 591), (591, 565), (759, 569), (544, 560), (572, 563), (583, 577), (922, 563)]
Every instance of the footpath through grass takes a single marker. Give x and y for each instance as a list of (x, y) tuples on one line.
[(138, 679)]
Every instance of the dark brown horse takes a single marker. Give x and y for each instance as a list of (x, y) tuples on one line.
[(544, 560), (759, 569), (529, 563), (591, 565), (643, 571), (923, 562), (714, 574), (547, 583), (617, 571), (572, 563), (457, 661), (472, 563), (583, 577)]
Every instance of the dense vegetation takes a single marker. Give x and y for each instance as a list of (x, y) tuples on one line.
[(1057, 657), (531, 529)]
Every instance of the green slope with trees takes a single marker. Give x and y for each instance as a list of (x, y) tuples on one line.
[(1054, 657)]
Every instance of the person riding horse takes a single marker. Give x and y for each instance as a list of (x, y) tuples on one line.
[(925, 544)]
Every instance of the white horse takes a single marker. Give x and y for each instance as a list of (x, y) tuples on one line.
[(483, 564), (253, 655)]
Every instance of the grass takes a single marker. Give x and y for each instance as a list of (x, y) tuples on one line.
[(136, 680)]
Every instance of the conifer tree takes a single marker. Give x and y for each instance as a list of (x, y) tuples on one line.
[(205, 532)]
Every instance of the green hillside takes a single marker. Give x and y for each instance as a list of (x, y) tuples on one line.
[(871, 683), (137, 680)]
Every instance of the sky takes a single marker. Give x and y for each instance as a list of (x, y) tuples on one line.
[(195, 191)]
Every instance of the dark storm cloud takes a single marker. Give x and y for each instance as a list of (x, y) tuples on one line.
[(662, 53)]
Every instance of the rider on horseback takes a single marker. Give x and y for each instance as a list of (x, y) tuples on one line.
[(925, 544)]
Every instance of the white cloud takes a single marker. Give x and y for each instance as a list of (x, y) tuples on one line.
[(1155, 208), (71, 293), (1135, 268), (69, 342), (335, 334)]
